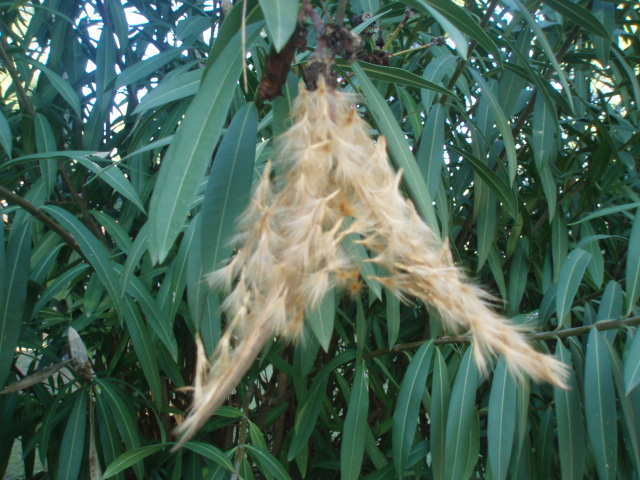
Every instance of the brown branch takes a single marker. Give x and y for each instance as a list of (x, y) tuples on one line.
[(472, 46), (23, 97), (49, 222), (93, 226), (550, 335)]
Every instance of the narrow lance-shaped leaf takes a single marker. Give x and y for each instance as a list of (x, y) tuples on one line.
[(431, 154), (440, 395), (501, 424), (267, 462), (72, 446), (632, 364), (281, 17), (353, 435), (568, 282), (398, 148), (405, 416), (570, 422), (15, 276), (45, 142), (61, 85), (579, 15), (462, 413), (600, 406), (186, 160), (95, 252), (543, 134), (6, 138), (630, 434), (129, 459), (501, 122), (633, 264), (115, 179), (321, 319), (546, 48)]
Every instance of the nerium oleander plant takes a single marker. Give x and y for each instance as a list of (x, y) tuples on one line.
[(331, 186)]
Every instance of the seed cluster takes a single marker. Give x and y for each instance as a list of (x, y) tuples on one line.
[(332, 188)]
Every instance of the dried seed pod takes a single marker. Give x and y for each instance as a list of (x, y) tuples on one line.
[(334, 182)]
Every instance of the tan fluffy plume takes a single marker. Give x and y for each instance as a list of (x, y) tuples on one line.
[(334, 181)]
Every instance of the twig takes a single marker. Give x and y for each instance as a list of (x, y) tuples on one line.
[(243, 432), (81, 204), (472, 46), (25, 101), (411, 50), (49, 222), (550, 335), (340, 12)]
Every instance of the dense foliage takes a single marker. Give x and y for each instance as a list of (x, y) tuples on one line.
[(130, 137)]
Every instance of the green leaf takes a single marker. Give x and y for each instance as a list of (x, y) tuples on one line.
[(281, 17), (580, 16), (632, 442), (392, 316), (186, 160), (146, 67), (73, 439), (211, 452), (435, 73), (459, 39), (501, 122), (569, 282), (355, 423), (505, 194), (600, 406), (570, 422), (633, 265), (501, 423), (632, 364), (170, 90), (430, 156), (398, 148), (559, 243), (14, 277), (461, 18), (6, 137), (229, 188), (546, 47), (607, 211), (63, 281), (129, 459), (321, 318), (518, 279), (45, 141), (487, 220), (307, 415), (134, 254), (143, 347), (124, 419), (440, 397), (115, 179), (62, 86), (396, 76), (406, 413), (462, 414), (543, 134), (589, 242), (268, 462), (95, 252)]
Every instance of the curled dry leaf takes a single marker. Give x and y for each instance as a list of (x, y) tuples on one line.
[(332, 182)]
